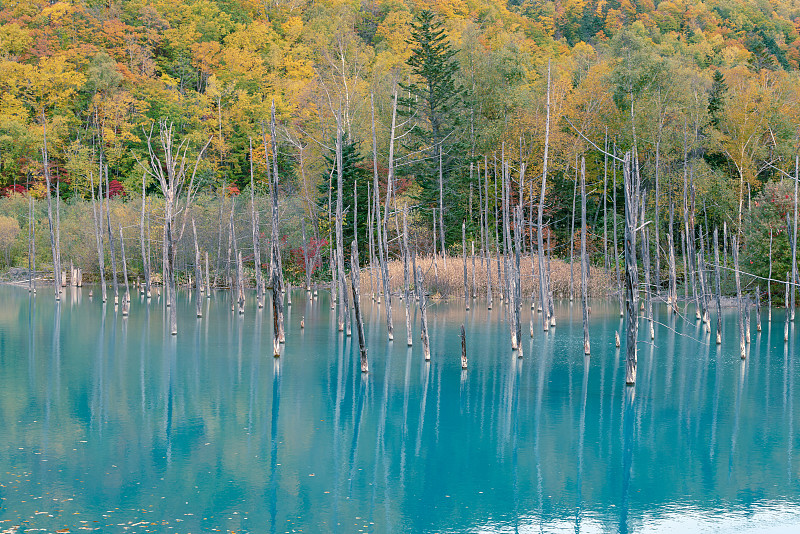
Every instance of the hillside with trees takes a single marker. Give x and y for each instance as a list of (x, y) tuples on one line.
[(706, 93)]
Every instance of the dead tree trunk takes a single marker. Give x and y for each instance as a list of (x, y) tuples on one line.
[(111, 239), (234, 244), (370, 243), (631, 185), (474, 286), (701, 273), (543, 286), (769, 281), (464, 255), (332, 246), (240, 282), (684, 251), (719, 287), (307, 261), (572, 237), (584, 262), (171, 175), (758, 308), (220, 218), (486, 249), (517, 289), (54, 249), (254, 220), (435, 253), (379, 243), (355, 280), (423, 308), (145, 256), (382, 225), (344, 312), (277, 307), (208, 278), (99, 238), (32, 241), (788, 316), (672, 301), (441, 207), (406, 281), (463, 348), (126, 300), (794, 237), (198, 270), (739, 304), (616, 249), (63, 278), (605, 204), (647, 287), (277, 264)]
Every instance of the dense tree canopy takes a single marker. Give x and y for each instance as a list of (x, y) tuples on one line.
[(707, 88)]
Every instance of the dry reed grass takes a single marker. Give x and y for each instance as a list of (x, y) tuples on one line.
[(449, 282)]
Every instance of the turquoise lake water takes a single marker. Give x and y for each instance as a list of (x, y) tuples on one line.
[(108, 424)]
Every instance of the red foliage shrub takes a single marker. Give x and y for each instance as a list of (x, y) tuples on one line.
[(298, 255), (115, 188), (9, 190)]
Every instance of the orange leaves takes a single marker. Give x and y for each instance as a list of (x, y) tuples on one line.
[(206, 56)]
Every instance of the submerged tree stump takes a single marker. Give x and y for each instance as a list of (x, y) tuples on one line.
[(463, 348), (355, 277)]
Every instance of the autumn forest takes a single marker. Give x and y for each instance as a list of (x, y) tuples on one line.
[(435, 102)]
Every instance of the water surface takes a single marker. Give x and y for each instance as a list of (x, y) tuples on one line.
[(108, 424)]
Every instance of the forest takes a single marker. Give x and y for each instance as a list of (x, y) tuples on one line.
[(439, 104)]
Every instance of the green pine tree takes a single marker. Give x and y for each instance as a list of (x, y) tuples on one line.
[(353, 172), (716, 97), (433, 101)]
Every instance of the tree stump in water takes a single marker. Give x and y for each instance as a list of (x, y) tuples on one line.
[(355, 283), (463, 348)]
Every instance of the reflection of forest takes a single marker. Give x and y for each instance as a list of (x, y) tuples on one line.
[(210, 424)]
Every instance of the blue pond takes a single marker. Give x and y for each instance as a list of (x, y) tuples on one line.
[(108, 424)]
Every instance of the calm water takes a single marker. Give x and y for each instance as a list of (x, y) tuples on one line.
[(108, 424)]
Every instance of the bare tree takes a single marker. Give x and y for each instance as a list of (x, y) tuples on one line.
[(168, 165)]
